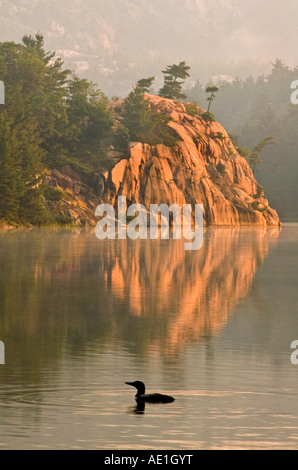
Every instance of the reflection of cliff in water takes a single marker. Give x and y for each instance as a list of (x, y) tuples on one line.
[(61, 288), (182, 296)]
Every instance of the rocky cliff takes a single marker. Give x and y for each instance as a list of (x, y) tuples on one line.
[(203, 168)]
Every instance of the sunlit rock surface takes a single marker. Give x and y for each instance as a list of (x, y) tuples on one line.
[(203, 168)]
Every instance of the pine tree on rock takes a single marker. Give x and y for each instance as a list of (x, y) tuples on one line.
[(212, 90), (140, 124), (145, 84), (175, 76)]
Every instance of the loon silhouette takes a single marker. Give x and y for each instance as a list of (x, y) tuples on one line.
[(151, 398)]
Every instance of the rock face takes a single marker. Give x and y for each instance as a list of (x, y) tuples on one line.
[(204, 168), (81, 195)]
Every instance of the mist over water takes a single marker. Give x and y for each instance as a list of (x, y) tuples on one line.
[(213, 328)]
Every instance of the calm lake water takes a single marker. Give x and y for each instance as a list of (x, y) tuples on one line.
[(79, 317)]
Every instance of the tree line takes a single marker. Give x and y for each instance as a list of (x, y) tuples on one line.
[(50, 118), (260, 108)]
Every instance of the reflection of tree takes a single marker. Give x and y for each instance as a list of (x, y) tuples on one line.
[(63, 289)]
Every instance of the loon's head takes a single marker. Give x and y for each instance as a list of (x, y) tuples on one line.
[(139, 386)]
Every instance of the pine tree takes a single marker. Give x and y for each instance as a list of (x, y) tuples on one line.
[(87, 110), (26, 128), (140, 124), (212, 90), (11, 181), (254, 158), (145, 84), (43, 82), (172, 88)]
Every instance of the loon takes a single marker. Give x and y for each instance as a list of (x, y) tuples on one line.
[(152, 398)]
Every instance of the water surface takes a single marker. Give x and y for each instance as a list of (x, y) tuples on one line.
[(79, 317)]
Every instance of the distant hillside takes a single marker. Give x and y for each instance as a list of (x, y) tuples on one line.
[(113, 42)]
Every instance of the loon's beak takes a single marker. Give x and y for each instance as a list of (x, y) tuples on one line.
[(129, 383)]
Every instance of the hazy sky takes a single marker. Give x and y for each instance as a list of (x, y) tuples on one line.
[(239, 28), (103, 38), (266, 28)]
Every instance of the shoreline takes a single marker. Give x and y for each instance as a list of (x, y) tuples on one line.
[(6, 228)]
